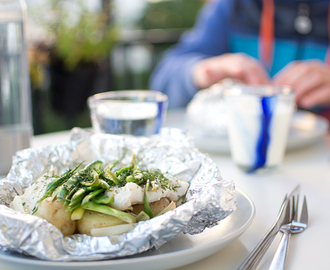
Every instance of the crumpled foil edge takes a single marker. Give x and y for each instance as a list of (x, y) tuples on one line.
[(209, 197)]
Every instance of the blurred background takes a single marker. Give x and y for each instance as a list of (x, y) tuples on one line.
[(81, 47)]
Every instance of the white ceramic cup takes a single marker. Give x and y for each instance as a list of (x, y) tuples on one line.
[(259, 118)]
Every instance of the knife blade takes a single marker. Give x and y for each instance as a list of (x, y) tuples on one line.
[(252, 261)]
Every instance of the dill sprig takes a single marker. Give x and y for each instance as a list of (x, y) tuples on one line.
[(77, 188)]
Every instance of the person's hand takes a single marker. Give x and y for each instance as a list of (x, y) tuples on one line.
[(309, 79), (231, 65)]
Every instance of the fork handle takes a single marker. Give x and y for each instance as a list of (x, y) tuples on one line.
[(258, 252), (278, 261)]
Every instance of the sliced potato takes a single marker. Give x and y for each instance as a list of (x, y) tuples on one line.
[(170, 207), (91, 220), (54, 212), (156, 207)]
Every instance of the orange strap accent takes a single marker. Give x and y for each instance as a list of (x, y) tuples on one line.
[(266, 41)]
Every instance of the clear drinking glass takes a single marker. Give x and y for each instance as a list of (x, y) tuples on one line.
[(259, 119), (15, 94), (134, 112)]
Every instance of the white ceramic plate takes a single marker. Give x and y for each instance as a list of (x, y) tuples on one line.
[(181, 250), (306, 129)]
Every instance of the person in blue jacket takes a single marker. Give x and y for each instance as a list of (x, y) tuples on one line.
[(284, 42)]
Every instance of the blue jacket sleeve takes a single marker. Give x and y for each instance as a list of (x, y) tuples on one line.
[(209, 37)]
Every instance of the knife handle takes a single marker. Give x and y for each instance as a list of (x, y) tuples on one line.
[(278, 261), (259, 251), (252, 261)]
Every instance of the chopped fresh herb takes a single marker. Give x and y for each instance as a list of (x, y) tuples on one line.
[(80, 189)]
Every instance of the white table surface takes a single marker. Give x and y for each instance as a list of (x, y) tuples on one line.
[(308, 166)]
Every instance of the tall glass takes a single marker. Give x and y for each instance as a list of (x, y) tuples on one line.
[(258, 124), (15, 95), (133, 112)]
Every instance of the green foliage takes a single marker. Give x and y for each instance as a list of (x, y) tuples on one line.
[(171, 14), (88, 38)]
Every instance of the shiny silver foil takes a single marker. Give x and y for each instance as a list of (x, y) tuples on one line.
[(209, 198), (209, 104)]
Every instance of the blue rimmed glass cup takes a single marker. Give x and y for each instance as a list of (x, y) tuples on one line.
[(259, 118), (133, 112)]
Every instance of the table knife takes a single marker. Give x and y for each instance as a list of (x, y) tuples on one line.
[(258, 252)]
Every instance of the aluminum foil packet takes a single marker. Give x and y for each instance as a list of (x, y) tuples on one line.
[(209, 198), (209, 104)]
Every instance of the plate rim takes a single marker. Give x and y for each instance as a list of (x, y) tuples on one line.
[(138, 260)]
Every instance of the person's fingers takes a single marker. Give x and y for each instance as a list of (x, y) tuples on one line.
[(236, 66), (249, 70), (202, 74), (203, 77), (294, 71), (282, 75), (308, 81), (290, 74), (319, 96), (212, 70), (232, 69), (256, 74)]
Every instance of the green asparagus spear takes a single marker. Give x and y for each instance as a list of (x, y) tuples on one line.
[(133, 159), (78, 177), (103, 184), (142, 216), (77, 213), (146, 204), (103, 199), (113, 177), (55, 192), (85, 189), (91, 195), (68, 195), (109, 211), (51, 187), (76, 199)]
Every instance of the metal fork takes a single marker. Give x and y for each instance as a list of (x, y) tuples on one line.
[(284, 217), (295, 226)]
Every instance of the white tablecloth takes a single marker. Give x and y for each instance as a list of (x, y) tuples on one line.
[(308, 166)]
